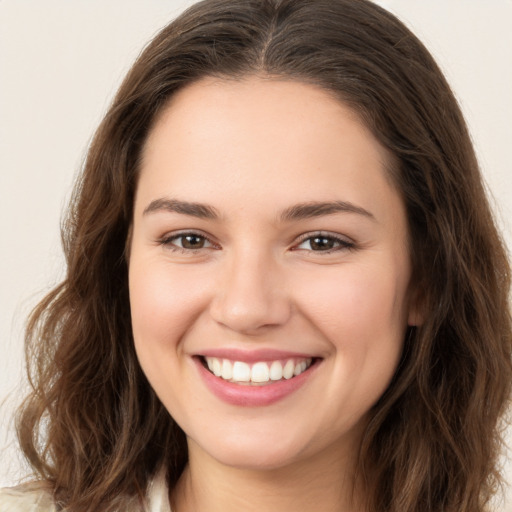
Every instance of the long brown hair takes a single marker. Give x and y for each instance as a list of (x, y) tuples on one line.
[(93, 428)]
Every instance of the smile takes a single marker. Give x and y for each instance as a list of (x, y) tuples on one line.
[(258, 373), (257, 378)]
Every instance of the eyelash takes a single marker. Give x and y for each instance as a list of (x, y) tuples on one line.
[(168, 241), (343, 244)]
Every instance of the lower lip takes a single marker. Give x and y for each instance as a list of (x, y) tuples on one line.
[(248, 395)]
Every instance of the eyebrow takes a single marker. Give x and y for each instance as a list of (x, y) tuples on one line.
[(320, 208), (296, 212), (200, 210)]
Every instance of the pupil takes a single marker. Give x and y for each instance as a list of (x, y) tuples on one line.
[(192, 242), (322, 243)]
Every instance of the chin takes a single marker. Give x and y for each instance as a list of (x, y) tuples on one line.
[(262, 452), (256, 460)]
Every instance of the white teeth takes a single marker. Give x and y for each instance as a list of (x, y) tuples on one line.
[(241, 372), (276, 371), (209, 363), (217, 368), (227, 369), (258, 373), (288, 369)]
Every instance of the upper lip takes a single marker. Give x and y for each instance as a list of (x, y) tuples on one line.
[(252, 356)]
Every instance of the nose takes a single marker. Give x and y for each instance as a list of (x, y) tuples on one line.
[(251, 294)]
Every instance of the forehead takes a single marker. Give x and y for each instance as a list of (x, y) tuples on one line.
[(261, 105), (257, 136)]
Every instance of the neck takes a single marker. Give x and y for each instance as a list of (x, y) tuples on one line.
[(324, 483)]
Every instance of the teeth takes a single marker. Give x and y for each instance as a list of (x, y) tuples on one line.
[(258, 373), (241, 372), (289, 369), (227, 370), (276, 371), (217, 369)]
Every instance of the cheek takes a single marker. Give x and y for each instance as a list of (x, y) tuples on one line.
[(358, 299), (362, 316), (163, 306), (362, 313)]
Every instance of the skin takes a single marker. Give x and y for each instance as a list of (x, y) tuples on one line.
[(251, 149)]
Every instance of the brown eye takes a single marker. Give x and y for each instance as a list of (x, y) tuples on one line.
[(322, 243), (186, 242), (192, 241)]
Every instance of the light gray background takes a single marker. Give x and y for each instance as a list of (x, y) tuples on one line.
[(60, 64)]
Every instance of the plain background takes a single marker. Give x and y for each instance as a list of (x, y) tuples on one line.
[(60, 64)]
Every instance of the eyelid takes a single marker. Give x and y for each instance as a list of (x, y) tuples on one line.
[(345, 242), (166, 240)]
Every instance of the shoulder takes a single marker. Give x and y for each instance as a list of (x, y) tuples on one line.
[(25, 498), (33, 497)]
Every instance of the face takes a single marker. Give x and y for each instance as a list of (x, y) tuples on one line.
[(269, 275)]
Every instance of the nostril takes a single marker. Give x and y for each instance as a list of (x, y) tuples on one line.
[(249, 317)]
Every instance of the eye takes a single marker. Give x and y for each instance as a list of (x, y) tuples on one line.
[(323, 243), (186, 242)]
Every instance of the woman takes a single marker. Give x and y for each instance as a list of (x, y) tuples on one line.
[(285, 289)]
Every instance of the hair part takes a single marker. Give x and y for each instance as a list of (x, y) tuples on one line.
[(433, 440)]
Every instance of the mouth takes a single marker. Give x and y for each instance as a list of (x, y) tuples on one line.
[(257, 373), (255, 378)]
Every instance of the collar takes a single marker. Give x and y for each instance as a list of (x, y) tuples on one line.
[(158, 493)]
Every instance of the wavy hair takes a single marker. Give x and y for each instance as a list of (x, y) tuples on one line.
[(94, 430)]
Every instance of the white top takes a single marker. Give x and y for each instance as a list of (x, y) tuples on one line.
[(26, 499)]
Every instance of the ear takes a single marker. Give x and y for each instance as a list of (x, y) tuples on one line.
[(417, 306)]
